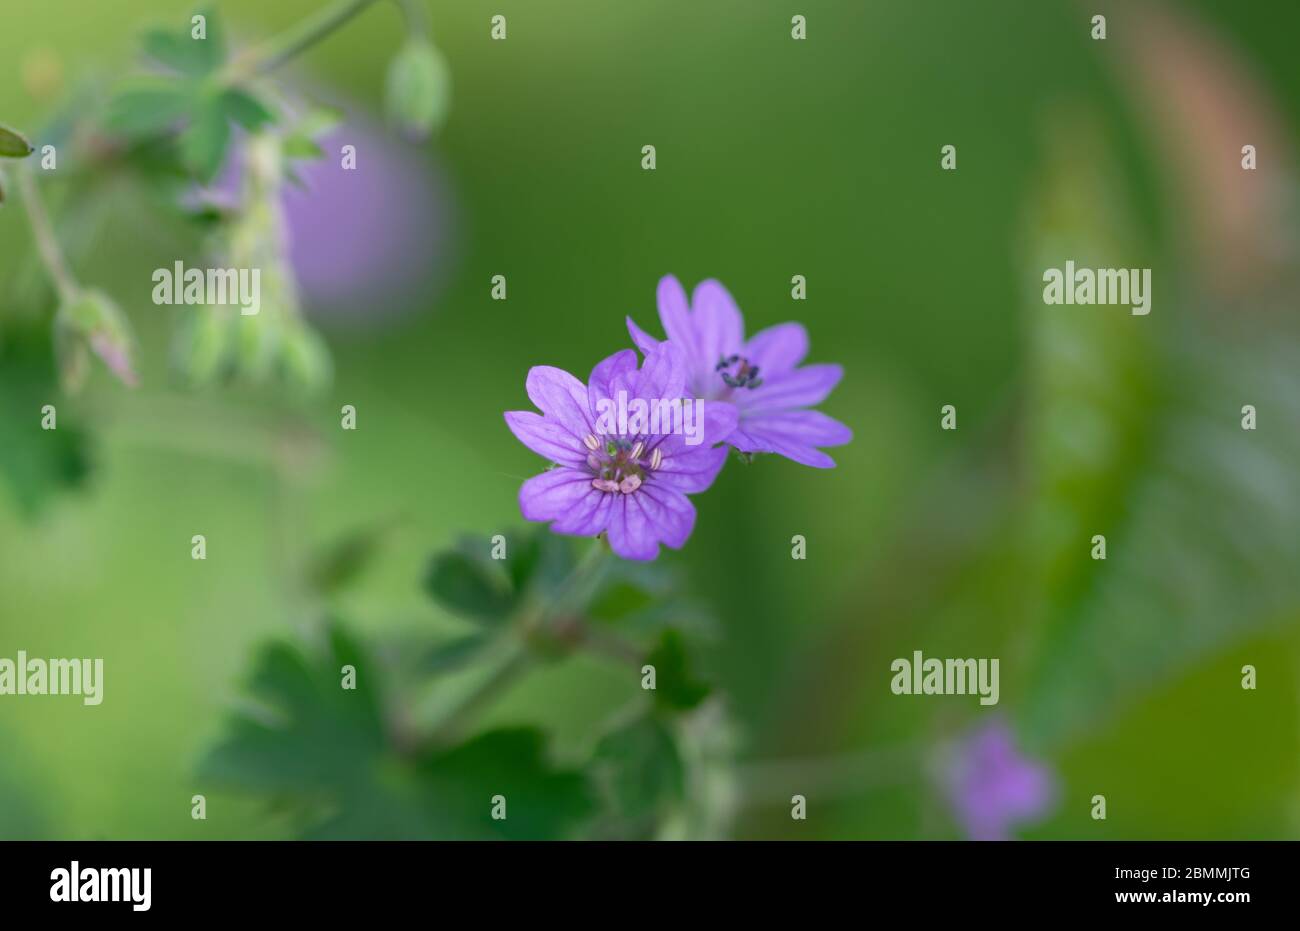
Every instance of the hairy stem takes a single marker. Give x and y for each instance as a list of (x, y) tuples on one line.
[(47, 244)]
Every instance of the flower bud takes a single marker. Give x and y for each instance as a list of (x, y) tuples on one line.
[(203, 346), (418, 91), (90, 320), (305, 358)]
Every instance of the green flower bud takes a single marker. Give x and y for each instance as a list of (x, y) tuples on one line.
[(203, 347), (90, 320), (304, 358), (418, 92), (13, 144), (259, 340)]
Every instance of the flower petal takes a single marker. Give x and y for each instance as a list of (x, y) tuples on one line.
[(719, 328), (560, 397), (802, 387), (777, 349), (674, 313), (662, 375), (811, 427), (606, 378), (546, 438), (639, 522), (566, 497), (643, 340), (719, 419), (691, 471), (793, 434), (669, 512)]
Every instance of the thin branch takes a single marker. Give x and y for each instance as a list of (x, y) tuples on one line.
[(47, 244)]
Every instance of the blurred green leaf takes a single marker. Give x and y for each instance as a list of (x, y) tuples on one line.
[(36, 464), (543, 802), (675, 687), (1138, 438), (342, 561), (245, 109), (13, 144), (322, 752), (538, 560), (638, 772), (470, 585), (203, 143), (182, 52), (147, 106), (301, 147), (305, 732)]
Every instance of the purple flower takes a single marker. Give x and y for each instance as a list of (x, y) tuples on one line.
[(992, 786), (358, 240), (761, 376), (631, 484)]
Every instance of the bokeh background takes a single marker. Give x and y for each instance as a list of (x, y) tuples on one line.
[(775, 158)]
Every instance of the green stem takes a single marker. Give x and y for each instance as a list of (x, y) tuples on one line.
[(297, 39), (417, 17), (47, 244), (509, 670), (846, 775), (520, 658), (583, 578)]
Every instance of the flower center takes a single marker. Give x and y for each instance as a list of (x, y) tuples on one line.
[(737, 372), (620, 465)]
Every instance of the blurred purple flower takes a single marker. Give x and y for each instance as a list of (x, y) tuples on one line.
[(992, 786), (631, 485), (358, 238), (761, 376)]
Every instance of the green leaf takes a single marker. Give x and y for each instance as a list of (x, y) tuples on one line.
[(36, 464), (304, 733), (182, 52), (301, 147), (321, 752), (418, 89), (339, 564), (178, 52), (203, 143), (470, 584), (675, 687), (538, 561), (638, 773), (13, 144), (245, 109), (543, 802), (148, 106)]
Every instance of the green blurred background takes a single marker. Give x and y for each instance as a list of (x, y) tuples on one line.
[(775, 158)]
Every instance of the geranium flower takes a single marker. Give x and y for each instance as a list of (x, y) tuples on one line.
[(992, 786), (761, 376), (631, 485)]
